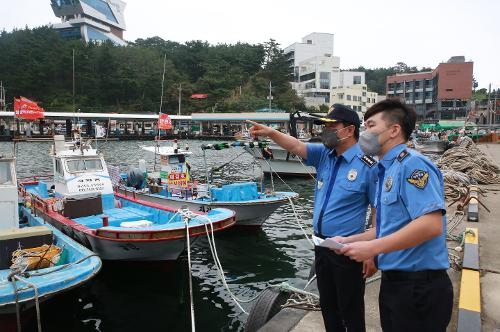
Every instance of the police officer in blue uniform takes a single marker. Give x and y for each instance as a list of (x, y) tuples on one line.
[(409, 240), (346, 186)]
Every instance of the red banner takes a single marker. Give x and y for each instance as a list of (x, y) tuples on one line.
[(164, 122), (199, 96), (27, 109)]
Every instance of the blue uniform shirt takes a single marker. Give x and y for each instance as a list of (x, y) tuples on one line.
[(344, 188), (412, 186)]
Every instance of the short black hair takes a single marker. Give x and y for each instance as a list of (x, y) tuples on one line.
[(395, 111)]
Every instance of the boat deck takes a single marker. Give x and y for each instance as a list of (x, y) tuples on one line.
[(115, 217)]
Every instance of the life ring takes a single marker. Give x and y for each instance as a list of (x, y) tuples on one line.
[(268, 304)]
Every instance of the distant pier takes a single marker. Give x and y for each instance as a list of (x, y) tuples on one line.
[(139, 126)]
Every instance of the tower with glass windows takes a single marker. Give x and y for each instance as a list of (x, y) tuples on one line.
[(91, 20)]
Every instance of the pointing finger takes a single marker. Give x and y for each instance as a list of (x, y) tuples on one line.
[(252, 122)]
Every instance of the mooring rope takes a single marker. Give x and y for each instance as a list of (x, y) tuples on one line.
[(13, 276), (188, 215), (305, 167), (188, 248), (20, 269), (297, 217)]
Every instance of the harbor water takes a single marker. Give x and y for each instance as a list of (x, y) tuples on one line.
[(155, 296)]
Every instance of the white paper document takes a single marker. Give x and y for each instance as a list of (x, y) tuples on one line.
[(328, 243)]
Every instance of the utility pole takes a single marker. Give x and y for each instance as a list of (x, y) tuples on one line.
[(74, 108), (489, 106), (495, 107), (180, 95), (2, 97), (270, 97)]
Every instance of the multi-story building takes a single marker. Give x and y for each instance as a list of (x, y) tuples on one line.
[(90, 20), (317, 75), (348, 78), (316, 78), (443, 93), (355, 96), (313, 45)]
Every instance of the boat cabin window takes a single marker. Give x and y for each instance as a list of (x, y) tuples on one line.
[(177, 159), (5, 174), (81, 165), (59, 169)]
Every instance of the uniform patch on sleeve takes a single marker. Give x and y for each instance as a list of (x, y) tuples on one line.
[(418, 178), (369, 161)]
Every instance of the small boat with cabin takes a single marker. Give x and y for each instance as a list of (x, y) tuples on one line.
[(173, 186), (37, 261), (273, 159), (81, 203)]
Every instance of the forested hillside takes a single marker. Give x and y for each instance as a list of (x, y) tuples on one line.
[(37, 63)]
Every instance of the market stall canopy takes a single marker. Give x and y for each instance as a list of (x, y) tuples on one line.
[(446, 124)]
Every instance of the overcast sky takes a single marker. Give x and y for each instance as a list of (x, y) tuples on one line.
[(367, 32)]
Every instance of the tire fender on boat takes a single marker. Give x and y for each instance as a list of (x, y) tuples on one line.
[(267, 305)]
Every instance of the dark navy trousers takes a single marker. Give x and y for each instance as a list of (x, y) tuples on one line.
[(341, 289)]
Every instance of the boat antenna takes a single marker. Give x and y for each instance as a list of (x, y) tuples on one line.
[(157, 148)]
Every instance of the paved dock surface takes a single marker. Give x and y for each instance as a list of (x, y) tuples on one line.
[(489, 253)]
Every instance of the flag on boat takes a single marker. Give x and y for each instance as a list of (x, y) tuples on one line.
[(199, 96), (27, 109), (164, 122)]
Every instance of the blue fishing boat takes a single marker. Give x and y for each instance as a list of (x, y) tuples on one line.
[(82, 204), (174, 187), (37, 260)]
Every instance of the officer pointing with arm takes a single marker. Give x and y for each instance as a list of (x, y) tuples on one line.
[(346, 185), (409, 241)]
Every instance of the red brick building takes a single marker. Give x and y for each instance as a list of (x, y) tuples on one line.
[(443, 93)]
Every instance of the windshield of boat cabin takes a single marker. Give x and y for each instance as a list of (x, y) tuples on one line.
[(5, 174), (82, 165), (176, 159)]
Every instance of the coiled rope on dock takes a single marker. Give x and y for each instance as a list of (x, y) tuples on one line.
[(466, 164)]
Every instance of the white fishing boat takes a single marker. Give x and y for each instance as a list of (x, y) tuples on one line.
[(274, 159), (81, 203), (174, 187), (37, 261)]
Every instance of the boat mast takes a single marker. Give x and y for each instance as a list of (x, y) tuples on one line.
[(159, 115)]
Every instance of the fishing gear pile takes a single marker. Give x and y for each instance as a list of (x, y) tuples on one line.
[(466, 164)]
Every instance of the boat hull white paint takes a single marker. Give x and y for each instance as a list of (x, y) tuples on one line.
[(282, 162), (247, 214), (161, 250)]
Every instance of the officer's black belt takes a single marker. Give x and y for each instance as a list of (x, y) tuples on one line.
[(393, 275)]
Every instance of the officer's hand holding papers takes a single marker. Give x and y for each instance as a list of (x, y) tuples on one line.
[(360, 251), (331, 244)]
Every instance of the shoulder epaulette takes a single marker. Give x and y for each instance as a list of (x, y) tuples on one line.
[(368, 160), (402, 155)]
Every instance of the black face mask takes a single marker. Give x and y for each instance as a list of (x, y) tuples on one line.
[(330, 138)]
